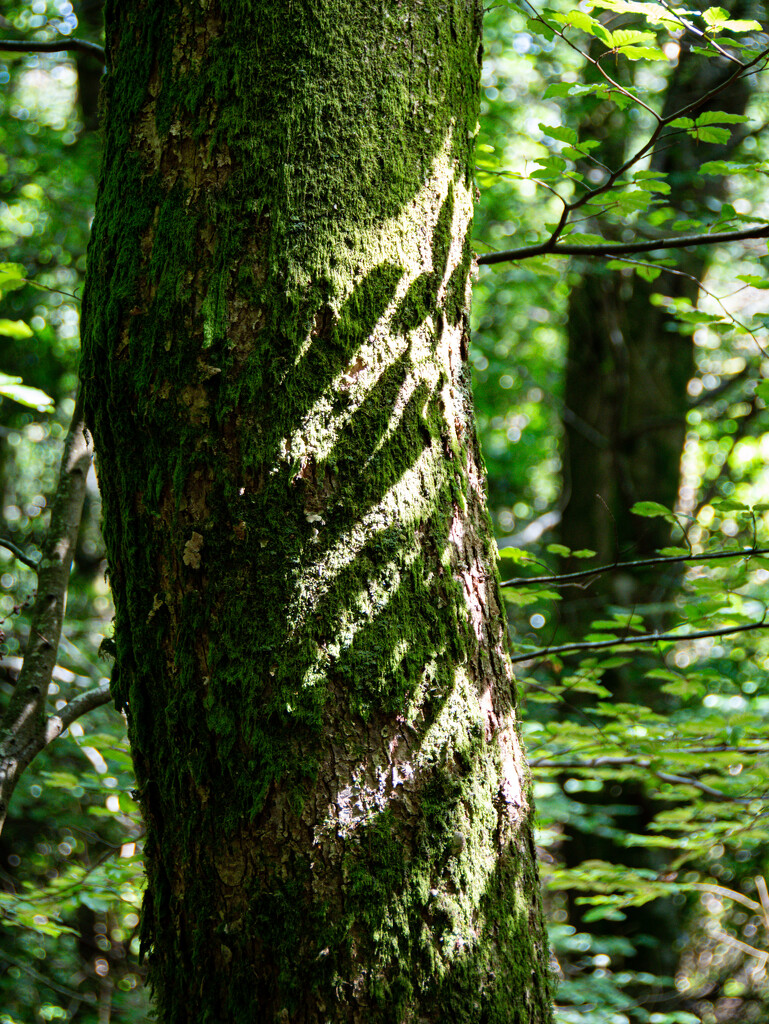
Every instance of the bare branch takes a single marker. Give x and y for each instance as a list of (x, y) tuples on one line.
[(75, 709), (647, 765), (570, 578), (23, 728), (731, 894), (612, 249), (551, 246), (716, 90), (714, 794), (759, 954), (59, 46), (631, 641), (18, 553)]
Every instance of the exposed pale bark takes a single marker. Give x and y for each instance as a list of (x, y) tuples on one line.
[(310, 643)]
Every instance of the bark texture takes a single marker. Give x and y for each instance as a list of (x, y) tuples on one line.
[(310, 643)]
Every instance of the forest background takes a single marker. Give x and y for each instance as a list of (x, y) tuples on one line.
[(622, 408)]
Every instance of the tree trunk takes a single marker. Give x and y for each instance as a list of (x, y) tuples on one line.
[(311, 648), (626, 401)]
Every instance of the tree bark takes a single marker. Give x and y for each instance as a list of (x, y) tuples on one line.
[(311, 647)]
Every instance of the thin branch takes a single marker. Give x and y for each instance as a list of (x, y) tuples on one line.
[(743, 947), (763, 894), (610, 760), (687, 780), (717, 89), (639, 762), (730, 894), (75, 709), (18, 553), (53, 291), (23, 727), (550, 245), (59, 46), (701, 35), (567, 579), (42, 978), (631, 641), (536, 16), (681, 273), (612, 249)]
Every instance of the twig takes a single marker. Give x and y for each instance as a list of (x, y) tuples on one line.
[(18, 553), (701, 35), (42, 978), (639, 762), (569, 578), (615, 761), (743, 947), (551, 244), (687, 780), (60, 46), (732, 894), (75, 709), (631, 641), (612, 249)]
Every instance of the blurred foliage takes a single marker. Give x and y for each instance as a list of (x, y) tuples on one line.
[(70, 869), (70, 875)]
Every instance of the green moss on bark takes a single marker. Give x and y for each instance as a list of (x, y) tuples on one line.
[(310, 646)]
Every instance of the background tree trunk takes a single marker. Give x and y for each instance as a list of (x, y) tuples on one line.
[(626, 401), (311, 648)]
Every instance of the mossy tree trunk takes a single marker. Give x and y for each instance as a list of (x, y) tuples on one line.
[(311, 648)]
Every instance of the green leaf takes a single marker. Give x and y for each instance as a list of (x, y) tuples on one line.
[(13, 388), (582, 20), (558, 549), (714, 135), (549, 167), (715, 15), (641, 53), (583, 238), (626, 37), (518, 554), (720, 117), (651, 509), (16, 329), (754, 281), (540, 28), (647, 272), (559, 132), (11, 277), (729, 505), (653, 185), (557, 89), (740, 25)]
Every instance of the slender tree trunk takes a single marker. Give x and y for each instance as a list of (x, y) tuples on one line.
[(311, 648)]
